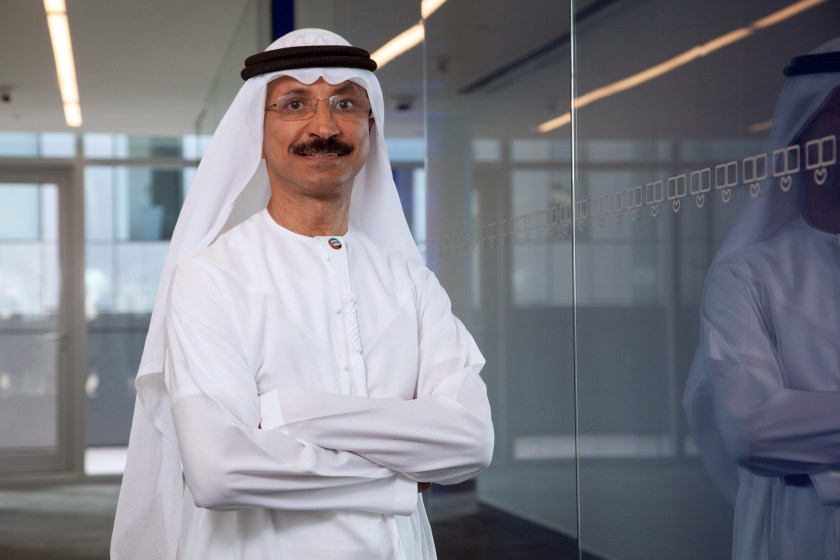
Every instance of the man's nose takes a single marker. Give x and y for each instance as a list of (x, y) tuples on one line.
[(322, 122)]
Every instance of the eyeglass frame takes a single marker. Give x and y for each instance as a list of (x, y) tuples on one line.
[(331, 102)]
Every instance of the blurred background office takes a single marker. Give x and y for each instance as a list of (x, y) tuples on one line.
[(568, 168)]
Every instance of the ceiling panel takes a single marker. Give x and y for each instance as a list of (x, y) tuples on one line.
[(143, 67)]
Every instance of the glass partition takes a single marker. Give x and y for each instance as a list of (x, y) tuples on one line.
[(130, 214), (575, 235), (500, 238), (37, 144), (252, 35), (30, 328), (37, 339), (674, 107)]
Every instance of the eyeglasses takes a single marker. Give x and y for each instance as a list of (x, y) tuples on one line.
[(345, 107)]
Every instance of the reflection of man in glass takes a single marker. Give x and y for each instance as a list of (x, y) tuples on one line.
[(763, 397)]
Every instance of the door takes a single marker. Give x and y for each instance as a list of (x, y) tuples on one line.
[(40, 298)]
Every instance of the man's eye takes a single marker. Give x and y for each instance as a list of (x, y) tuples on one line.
[(294, 105), (345, 104)]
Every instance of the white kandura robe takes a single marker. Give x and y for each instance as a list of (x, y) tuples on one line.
[(771, 319), (311, 389)]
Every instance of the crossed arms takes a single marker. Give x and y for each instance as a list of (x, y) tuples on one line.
[(296, 448)]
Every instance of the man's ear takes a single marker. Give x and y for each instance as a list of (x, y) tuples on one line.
[(371, 122)]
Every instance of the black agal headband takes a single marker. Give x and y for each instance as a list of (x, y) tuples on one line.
[(315, 56), (814, 64)]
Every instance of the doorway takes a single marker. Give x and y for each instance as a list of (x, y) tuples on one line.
[(41, 322)]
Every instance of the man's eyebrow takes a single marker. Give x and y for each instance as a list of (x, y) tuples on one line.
[(349, 87), (296, 91)]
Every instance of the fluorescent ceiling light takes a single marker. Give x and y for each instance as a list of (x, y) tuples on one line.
[(428, 7), (760, 127), (73, 114), (408, 39), (55, 6), (680, 60), (65, 65)]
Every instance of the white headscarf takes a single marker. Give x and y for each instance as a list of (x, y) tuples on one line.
[(761, 218), (230, 185)]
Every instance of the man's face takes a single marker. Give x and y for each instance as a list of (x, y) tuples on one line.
[(825, 124), (822, 185), (319, 156)]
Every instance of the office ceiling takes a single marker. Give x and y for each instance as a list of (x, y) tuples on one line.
[(142, 66), (147, 67)]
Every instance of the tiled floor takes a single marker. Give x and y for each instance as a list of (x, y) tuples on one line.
[(73, 522), (490, 534), (62, 521)]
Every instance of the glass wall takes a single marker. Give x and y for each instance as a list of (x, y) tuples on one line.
[(504, 250), (130, 213), (675, 104), (30, 322), (252, 35), (574, 233), (500, 238), (133, 190)]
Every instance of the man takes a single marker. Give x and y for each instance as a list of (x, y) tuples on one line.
[(764, 390), (302, 366)]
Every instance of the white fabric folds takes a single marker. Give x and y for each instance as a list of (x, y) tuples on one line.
[(229, 187), (295, 442)]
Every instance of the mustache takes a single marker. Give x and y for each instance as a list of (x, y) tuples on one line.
[(329, 145)]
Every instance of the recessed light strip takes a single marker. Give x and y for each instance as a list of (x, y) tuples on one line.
[(680, 60), (760, 126), (65, 65), (428, 7), (408, 39)]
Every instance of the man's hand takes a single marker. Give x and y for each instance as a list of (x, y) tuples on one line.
[(423, 486)]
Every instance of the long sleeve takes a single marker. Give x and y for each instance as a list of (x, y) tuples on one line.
[(769, 428), (444, 435), (229, 461)]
